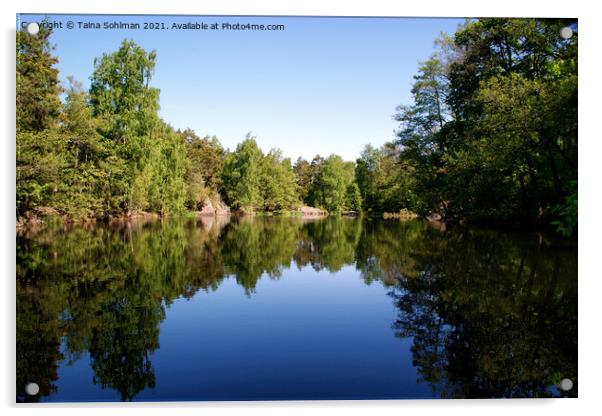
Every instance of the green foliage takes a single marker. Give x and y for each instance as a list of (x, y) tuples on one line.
[(332, 185), (492, 134), (206, 160), (39, 166), (121, 96), (491, 137), (101, 153), (154, 155), (386, 182), (38, 88), (241, 176), (353, 197), (303, 177), (162, 182), (278, 182), (314, 190), (252, 181), (367, 172), (567, 212), (83, 176)]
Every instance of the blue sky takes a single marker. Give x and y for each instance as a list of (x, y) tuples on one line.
[(323, 85)]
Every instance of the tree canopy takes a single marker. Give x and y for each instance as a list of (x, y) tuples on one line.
[(492, 134)]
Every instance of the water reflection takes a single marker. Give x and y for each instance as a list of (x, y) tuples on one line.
[(489, 314)]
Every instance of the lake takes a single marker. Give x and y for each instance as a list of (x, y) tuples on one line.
[(274, 308)]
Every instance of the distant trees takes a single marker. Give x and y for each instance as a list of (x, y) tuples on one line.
[(336, 189), (253, 181), (204, 170), (242, 176), (328, 183), (278, 182), (384, 181)]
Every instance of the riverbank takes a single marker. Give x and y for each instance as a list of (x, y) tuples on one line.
[(43, 216)]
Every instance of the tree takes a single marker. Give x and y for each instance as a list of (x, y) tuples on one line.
[(278, 182), (303, 177), (315, 172), (353, 198), (121, 94), (386, 181), (507, 97), (206, 162), (241, 176), (423, 134), (38, 87), (333, 190), (254, 181), (39, 162), (83, 178), (151, 176), (166, 168), (367, 172)]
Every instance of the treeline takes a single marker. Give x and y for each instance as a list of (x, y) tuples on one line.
[(491, 137), (100, 152), (106, 151)]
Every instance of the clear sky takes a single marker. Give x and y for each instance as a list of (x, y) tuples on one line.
[(322, 85)]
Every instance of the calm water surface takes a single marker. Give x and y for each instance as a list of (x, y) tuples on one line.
[(281, 308)]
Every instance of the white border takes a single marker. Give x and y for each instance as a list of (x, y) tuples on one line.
[(590, 177)]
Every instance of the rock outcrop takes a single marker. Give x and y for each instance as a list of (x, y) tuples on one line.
[(214, 207), (311, 212)]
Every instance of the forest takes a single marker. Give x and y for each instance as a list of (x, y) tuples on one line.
[(490, 138)]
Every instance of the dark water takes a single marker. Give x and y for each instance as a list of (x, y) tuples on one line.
[(280, 308)]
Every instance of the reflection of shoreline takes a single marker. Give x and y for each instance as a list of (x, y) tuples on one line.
[(54, 224)]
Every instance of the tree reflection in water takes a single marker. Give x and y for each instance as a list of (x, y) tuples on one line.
[(490, 314)]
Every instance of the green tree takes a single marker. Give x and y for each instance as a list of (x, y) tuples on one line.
[(128, 107), (83, 178), (241, 176), (121, 94), (492, 133), (303, 177), (151, 176), (334, 190), (423, 134), (315, 172), (40, 163), (367, 172), (38, 88), (278, 182), (206, 162), (39, 142)]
